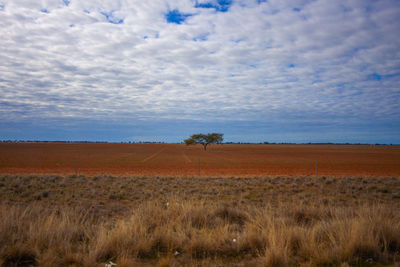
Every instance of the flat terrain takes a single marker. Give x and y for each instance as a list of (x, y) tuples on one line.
[(180, 160), (107, 196), (172, 221), (254, 205)]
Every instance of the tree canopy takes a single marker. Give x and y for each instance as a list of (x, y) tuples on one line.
[(205, 139)]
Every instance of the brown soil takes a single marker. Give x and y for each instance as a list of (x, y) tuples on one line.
[(181, 160)]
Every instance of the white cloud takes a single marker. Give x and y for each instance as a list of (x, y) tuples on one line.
[(273, 60)]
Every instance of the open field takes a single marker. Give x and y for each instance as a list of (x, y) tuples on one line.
[(172, 221), (180, 160), (155, 211)]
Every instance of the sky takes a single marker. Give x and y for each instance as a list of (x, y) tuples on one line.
[(161, 70)]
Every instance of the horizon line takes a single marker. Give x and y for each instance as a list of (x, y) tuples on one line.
[(227, 143)]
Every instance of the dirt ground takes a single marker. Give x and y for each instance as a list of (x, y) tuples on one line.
[(180, 160)]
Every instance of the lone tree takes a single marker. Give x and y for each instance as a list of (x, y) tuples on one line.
[(205, 139)]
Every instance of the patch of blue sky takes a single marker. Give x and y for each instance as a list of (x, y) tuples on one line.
[(219, 5), (2, 7), (111, 18), (347, 89), (292, 65), (237, 41), (374, 77), (387, 76), (380, 77), (368, 9), (296, 9), (67, 2), (175, 16), (43, 10), (201, 38)]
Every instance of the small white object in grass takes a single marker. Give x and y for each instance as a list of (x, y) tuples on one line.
[(111, 264), (167, 204), (176, 253), (234, 240)]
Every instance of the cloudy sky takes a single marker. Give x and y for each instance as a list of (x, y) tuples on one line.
[(160, 70)]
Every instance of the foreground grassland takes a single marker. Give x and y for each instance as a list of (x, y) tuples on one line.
[(161, 221)]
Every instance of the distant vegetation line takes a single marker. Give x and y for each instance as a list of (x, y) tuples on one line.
[(228, 143)]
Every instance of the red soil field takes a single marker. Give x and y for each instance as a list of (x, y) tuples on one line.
[(180, 160)]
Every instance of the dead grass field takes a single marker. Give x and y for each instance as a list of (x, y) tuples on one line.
[(180, 160), (175, 221)]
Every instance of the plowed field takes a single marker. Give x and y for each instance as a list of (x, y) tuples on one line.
[(181, 160)]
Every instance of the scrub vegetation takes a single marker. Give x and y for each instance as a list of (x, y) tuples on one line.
[(175, 221)]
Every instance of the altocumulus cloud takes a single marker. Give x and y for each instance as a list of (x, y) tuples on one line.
[(264, 62)]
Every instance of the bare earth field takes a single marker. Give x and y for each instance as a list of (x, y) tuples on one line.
[(180, 160)]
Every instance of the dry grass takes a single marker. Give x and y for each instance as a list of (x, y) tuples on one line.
[(201, 222)]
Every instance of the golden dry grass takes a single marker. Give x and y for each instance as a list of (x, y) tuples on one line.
[(169, 221)]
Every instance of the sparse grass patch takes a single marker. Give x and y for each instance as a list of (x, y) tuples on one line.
[(276, 228)]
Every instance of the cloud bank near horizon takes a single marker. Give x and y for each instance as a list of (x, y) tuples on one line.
[(215, 60)]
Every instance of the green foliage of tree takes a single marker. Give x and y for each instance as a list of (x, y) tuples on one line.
[(205, 139)]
